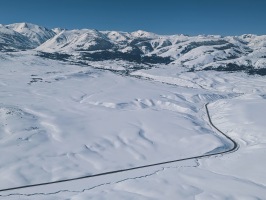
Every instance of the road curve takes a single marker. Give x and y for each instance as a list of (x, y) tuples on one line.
[(234, 148)]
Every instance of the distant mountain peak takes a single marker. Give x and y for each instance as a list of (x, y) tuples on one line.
[(58, 30), (141, 33), (37, 34)]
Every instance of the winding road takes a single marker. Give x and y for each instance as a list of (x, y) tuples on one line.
[(234, 148)]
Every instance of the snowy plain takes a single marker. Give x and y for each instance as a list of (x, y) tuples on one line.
[(62, 121)]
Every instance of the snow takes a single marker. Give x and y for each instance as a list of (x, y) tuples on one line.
[(87, 119), (116, 36), (58, 30), (62, 120), (74, 40), (243, 119), (12, 41), (35, 33), (143, 34), (193, 52), (99, 120)]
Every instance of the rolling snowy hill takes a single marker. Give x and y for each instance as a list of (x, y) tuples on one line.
[(88, 114)]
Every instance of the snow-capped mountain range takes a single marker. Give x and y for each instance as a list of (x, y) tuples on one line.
[(208, 52)]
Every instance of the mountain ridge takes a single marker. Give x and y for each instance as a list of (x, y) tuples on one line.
[(202, 52)]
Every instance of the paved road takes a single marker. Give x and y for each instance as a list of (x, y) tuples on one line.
[(234, 148)]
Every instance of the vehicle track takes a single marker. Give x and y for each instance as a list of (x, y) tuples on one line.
[(233, 149)]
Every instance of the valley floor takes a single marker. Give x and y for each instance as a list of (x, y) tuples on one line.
[(61, 121)]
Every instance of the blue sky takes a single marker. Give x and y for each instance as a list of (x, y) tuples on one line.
[(225, 17)]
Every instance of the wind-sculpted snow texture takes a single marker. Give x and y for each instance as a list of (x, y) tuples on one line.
[(81, 102)]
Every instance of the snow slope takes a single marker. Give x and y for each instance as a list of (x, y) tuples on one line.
[(97, 128), (34, 33), (86, 102), (77, 40), (243, 119), (196, 53), (13, 41), (87, 119)]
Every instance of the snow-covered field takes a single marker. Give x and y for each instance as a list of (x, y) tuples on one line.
[(61, 121)]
